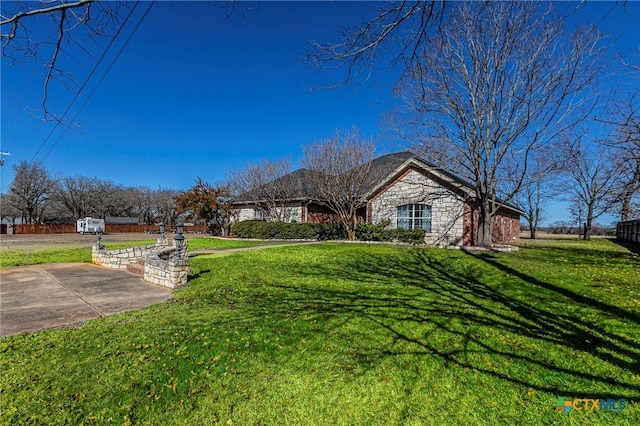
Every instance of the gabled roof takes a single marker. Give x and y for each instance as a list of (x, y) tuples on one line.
[(382, 171), (383, 167), (297, 185)]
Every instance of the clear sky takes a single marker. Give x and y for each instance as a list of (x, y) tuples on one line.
[(195, 94)]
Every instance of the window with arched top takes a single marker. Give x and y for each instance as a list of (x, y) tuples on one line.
[(414, 216)]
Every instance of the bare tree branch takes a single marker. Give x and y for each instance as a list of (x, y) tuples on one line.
[(493, 86), (76, 24), (42, 11), (342, 164), (397, 27), (262, 185)]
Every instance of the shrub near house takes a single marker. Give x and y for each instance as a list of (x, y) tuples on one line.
[(329, 231), (404, 192)]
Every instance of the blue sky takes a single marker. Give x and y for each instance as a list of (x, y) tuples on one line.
[(195, 94)]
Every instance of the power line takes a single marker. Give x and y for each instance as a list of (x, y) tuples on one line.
[(86, 81), (95, 89)]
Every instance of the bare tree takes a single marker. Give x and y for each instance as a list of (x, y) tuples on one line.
[(262, 185), (625, 143), (486, 83), (592, 175), (152, 206), (164, 201), (538, 187), (342, 164), (76, 196), (76, 27), (9, 208), (31, 190), (494, 85)]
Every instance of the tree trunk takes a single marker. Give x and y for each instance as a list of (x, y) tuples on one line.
[(588, 223), (532, 231), (485, 227), (625, 209), (351, 233)]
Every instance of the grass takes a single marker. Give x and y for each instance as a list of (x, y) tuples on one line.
[(351, 334), (22, 257), (200, 243)]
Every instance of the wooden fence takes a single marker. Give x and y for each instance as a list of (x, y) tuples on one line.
[(109, 228), (628, 231)]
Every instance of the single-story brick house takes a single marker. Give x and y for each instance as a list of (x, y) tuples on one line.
[(404, 189)]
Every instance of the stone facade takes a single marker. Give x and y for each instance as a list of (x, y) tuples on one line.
[(245, 214), (413, 187), (291, 213), (162, 263), (166, 269)]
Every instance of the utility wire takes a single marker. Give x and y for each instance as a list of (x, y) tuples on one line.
[(95, 89), (86, 81)]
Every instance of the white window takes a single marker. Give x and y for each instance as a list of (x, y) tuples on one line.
[(414, 216), (257, 214)]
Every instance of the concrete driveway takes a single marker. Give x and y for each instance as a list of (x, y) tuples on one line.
[(38, 297)]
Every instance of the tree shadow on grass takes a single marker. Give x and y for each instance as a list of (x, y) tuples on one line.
[(420, 304)]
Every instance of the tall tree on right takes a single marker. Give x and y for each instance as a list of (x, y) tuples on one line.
[(625, 145), (592, 178), (498, 83), (484, 84)]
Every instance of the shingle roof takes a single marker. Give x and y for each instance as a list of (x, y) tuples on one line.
[(297, 185), (301, 187), (383, 166)]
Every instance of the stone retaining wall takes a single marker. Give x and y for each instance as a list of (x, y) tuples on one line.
[(163, 265)]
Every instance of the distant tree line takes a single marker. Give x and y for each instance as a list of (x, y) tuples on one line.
[(36, 196)]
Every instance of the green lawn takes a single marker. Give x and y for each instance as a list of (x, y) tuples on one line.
[(21, 257), (351, 334)]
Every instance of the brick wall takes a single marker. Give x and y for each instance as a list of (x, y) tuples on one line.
[(506, 226)]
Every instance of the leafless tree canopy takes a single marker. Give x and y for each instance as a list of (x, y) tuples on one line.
[(343, 163), (625, 146), (58, 35), (396, 33), (496, 83), (31, 190), (36, 196), (262, 184), (592, 176)]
